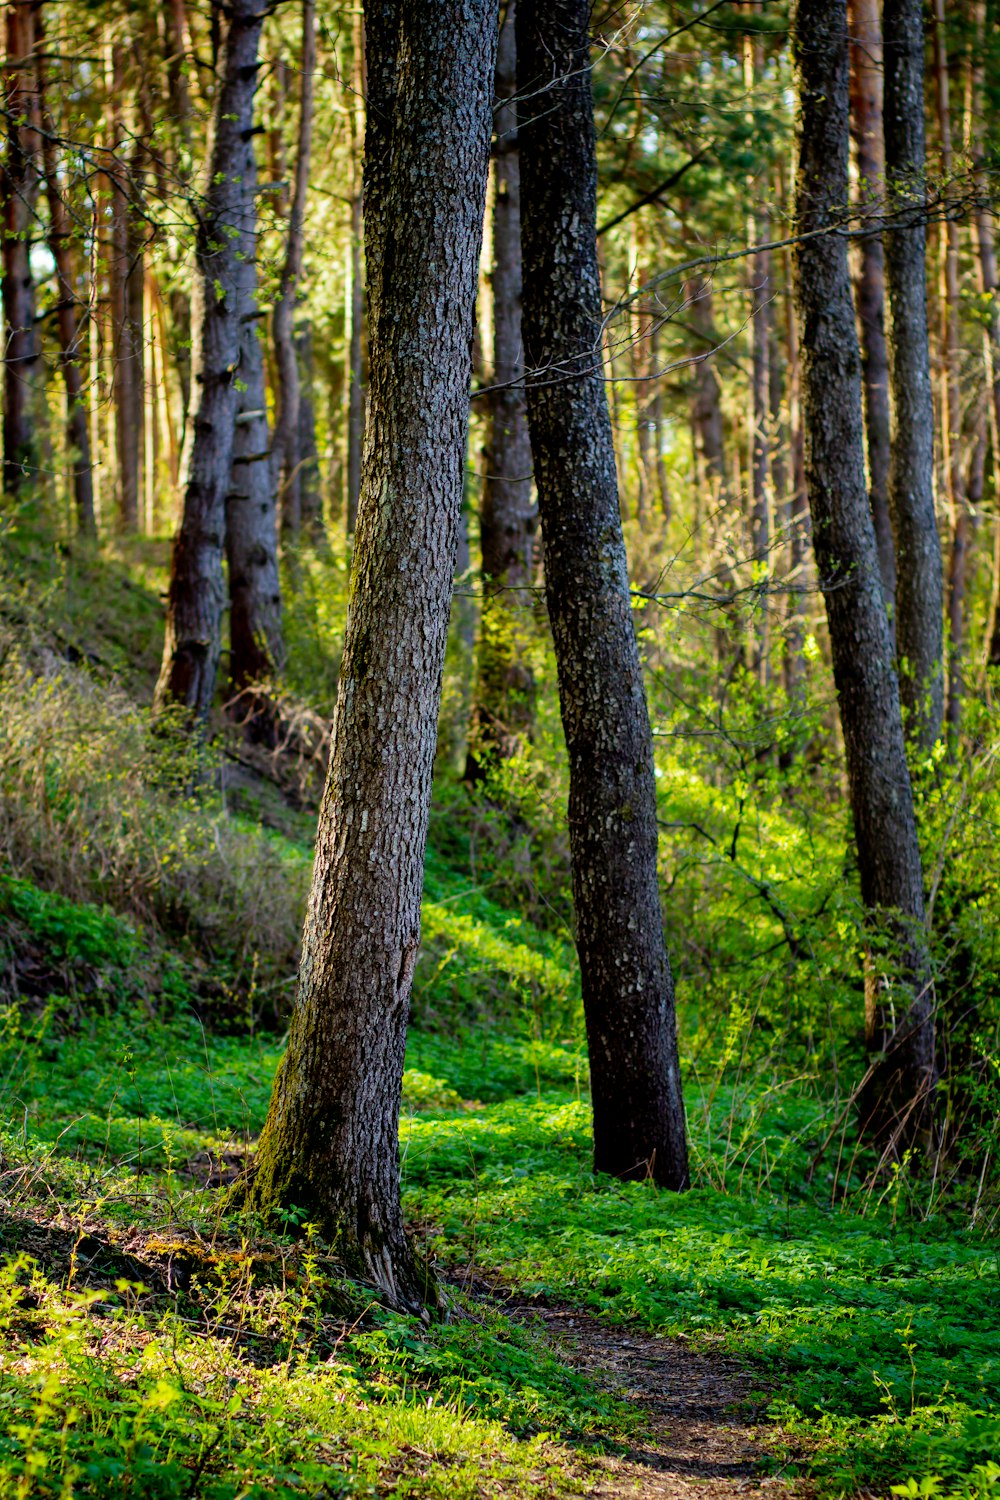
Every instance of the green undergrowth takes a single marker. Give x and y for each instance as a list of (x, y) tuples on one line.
[(875, 1335)]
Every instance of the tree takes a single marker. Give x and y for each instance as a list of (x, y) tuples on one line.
[(919, 586), (899, 1020), (285, 458), (19, 192), (503, 711), (951, 393), (627, 985), (70, 324), (194, 610), (256, 647), (866, 127), (329, 1145)]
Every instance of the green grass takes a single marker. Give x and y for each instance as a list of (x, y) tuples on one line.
[(877, 1335)]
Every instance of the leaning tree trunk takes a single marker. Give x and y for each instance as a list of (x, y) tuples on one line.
[(330, 1142), (69, 322), (285, 461), (194, 610), (628, 991), (866, 127), (19, 193), (504, 706), (256, 647), (919, 586), (896, 1099)]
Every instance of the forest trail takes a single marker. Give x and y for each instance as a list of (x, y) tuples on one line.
[(702, 1429)]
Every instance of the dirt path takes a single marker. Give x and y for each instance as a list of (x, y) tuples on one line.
[(702, 1435)]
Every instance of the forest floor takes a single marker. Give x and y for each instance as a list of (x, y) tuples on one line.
[(789, 1323), (702, 1426)]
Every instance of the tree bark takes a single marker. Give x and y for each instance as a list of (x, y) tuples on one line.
[(310, 492), (355, 385), (896, 1099), (330, 1142), (627, 985), (961, 521), (761, 293), (126, 276), (256, 646), (866, 128), (194, 610), (19, 188), (504, 705), (70, 324), (285, 460), (919, 584)]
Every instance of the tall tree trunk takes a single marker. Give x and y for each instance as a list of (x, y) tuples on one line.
[(899, 1016), (194, 610), (310, 492), (798, 503), (628, 991), (961, 521), (256, 645), (355, 379), (285, 460), (126, 283), (919, 585), (330, 1142), (504, 705), (761, 293), (70, 323), (19, 193), (987, 271), (866, 128)]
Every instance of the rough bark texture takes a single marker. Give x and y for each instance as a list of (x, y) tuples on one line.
[(19, 191), (899, 1017), (919, 585), (504, 706), (194, 610), (866, 128), (961, 520), (627, 986), (70, 323), (256, 648), (285, 459), (330, 1142)]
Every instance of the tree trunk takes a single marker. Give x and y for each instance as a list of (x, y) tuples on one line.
[(126, 275), (70, 324), (19, 192), (504, 706), (256, 647), (330, 1142), (761, 294), (866, 128), (194, 610), (627, 985), (961, 521), (310, 492), (896, 1099), (919, 586), (355, 382), (285, 458)]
